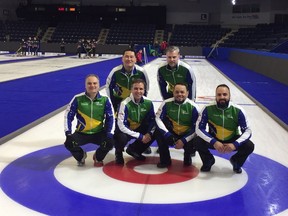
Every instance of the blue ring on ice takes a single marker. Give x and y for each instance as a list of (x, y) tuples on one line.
[(30, 181)]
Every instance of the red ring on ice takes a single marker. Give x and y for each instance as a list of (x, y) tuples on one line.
[(175, 173)]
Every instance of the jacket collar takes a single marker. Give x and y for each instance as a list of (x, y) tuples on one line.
[(174, 69), (132, 98), (97, 96), (126, 72), (182, 102)]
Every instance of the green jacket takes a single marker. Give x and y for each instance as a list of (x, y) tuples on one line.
[(177, 118), (92, 116), (118, 83), (132, 116), (182, 74), (223, 124)]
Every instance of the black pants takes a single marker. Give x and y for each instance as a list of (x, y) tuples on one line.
[(79, 51), (116, 104), (121, 140), (164, 152), (82, 139), (240, 157)]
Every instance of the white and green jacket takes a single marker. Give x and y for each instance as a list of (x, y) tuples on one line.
[(132, 115), (223, 124), (181, 118)]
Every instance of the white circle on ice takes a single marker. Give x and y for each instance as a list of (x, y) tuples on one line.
[(149, 169)]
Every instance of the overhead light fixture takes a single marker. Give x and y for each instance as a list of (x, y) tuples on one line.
[(233, 2)]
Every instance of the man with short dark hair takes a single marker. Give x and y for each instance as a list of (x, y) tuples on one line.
[(136, 120), (119, 81), (176, 119)]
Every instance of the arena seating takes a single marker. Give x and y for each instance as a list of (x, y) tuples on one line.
[(122, 33), (21, 29), (197, 35), (260, 37), (73, 31), (168, 29), (2, 31)]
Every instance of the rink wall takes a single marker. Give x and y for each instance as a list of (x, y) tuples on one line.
[(272, 65), (100, 49)]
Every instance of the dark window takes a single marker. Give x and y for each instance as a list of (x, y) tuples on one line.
[(246, 8)]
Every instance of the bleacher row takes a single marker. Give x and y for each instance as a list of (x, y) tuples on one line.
[(72, 32), (197, 35), (259, 37), (127, 33)]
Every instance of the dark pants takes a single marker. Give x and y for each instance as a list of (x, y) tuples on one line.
[(79, 51), (163, 147), (121, 140), (82, 139), (240, 157), (116, 104)]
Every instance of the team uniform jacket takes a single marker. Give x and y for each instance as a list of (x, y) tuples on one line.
[(223, 124), (182, 74), (92, 115), (181, 117), (119, 83), (131, 115)]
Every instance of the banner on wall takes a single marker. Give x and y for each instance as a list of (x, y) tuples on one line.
[(245, 18)]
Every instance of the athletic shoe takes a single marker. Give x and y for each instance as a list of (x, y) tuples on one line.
[(187, 160), (97, 163), (119, 158), (236, 168), (82, 161), (207, 166), (148, 151), (163, 165), (135, 154)]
